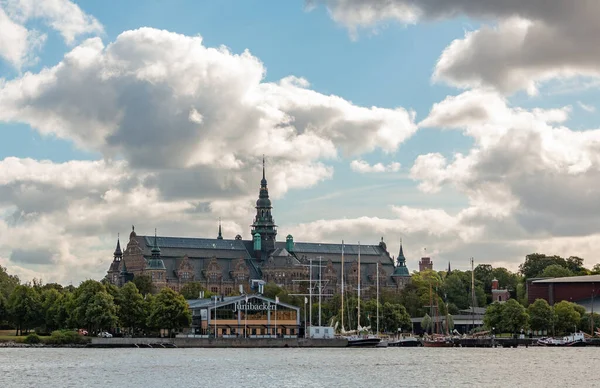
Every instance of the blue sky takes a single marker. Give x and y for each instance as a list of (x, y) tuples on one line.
[(508, 114)]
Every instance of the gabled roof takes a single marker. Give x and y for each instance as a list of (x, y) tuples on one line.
[(210, 303), (571, 279)]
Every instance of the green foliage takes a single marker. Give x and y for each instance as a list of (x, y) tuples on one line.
[(566, 317), (169, 310), (556, 271), (24, 308), (514, 316), (427, 323), (586, 324), (541, 315), (7, 283), (132, 308), (53, 309), (493, 317), (101, 313), (143, 284), (32, 339), (83, 299), (66, 337), (192, 290)]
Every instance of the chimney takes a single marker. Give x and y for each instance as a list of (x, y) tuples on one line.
[(495, 284)]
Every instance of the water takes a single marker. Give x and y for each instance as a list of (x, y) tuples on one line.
[(400, 367)]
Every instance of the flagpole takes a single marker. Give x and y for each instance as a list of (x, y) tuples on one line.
[(246, 319), (342, 286), (276, 301), (215, 317)]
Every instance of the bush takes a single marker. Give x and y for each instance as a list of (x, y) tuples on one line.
[(32, 339), (66, 337)]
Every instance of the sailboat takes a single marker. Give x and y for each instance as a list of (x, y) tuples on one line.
[(437, 339), (358, 340)]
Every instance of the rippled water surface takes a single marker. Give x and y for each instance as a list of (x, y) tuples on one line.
[(408, 367)]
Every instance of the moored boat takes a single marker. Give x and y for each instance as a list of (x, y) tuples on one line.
[(409, 342), (365, 341), (575, 339), (438, 342)]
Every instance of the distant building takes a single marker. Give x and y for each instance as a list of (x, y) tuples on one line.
[(223, 265), (499, 295), (425, 264), (583, 290), (245, 316)]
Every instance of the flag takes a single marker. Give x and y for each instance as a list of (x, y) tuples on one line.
[(276, 299), (305, 300)]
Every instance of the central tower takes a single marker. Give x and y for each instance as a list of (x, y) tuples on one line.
[(264, 229)]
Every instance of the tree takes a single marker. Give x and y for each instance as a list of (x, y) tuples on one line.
[(24, 308), (7, 283), (192, 290), (394, 317), (427, 323), (3, 309), (101, 312), (170, 311), (457, 291), (83, 299), (132, 308), (514, 316), (492, 318), (596, 269), (566, 317), (556, 271), (52, 311), (144, 284), (535, 264), (541, 315)]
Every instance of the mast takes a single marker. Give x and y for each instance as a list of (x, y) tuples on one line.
[(431, 308), (358, 317), (378, 298), (320, 289), (472, 293), (592, 314), (342, 285), (310, 285)]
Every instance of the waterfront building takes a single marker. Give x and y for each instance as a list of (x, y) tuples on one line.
[(499, 294), (223, 264), (583, 290), (243, 316)]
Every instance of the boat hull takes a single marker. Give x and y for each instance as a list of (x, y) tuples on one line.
[(363, 342), (438, 344), (407, 343)]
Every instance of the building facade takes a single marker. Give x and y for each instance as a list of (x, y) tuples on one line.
[(244, 316), (583, 290), (223, 265)]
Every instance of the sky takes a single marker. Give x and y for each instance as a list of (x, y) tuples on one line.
[(461, 128)]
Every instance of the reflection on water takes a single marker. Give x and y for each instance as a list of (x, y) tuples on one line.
[(410, 367)]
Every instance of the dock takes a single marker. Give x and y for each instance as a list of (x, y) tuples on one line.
[(163, 343)]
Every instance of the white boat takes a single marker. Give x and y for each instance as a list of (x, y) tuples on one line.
[(575, 339)]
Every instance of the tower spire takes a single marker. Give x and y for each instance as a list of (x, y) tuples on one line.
[(155, 249), (264, 167), (118, 252), (220, 236)]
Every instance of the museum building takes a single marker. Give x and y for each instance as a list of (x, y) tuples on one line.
[(244, 316), (222, 265)]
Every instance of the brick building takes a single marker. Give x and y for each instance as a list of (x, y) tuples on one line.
[(223, 265)]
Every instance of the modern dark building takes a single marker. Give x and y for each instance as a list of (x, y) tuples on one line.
[(222, 265), (582, 290)]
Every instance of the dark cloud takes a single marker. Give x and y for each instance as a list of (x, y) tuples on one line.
[(32, 256)]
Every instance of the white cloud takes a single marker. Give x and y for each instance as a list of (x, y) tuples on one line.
[(364, 167), (182, 129), (586, 107), (18, 44), (530, 42), (528, 177)]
